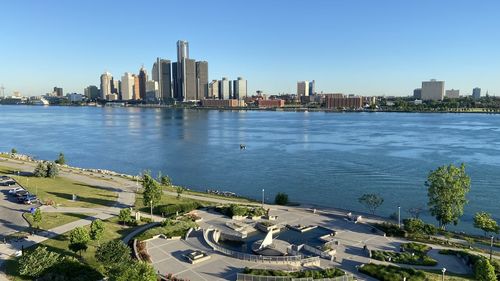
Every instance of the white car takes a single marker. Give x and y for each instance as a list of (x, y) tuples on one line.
[(15, 189)]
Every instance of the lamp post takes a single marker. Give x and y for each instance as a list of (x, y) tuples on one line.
[(151, 204), (263, 198), (443, 271), (399, 216), (491, 248)]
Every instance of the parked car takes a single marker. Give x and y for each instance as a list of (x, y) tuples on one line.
[(21, 193), (8, 183), (30, 199), (3, 178), (15, 189)]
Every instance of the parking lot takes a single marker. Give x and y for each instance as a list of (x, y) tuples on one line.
[(11, 219)]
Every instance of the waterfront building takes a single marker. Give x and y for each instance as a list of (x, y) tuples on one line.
[(180, 70), (112, 97), (433, 90), (190, 80), (222, 103), (74, 97), (143, 78), (106, 85), (162, 73), (240, 88), (352, 102), (417, 93), (303, 88), (91, 92), (224, 89), (476, 93), (452, 94), (127, 86), (261, 103), (152, 91), (312, 88), (213, 89), (58, 92), (137, 94), (201, 80)]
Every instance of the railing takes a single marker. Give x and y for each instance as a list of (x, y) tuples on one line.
[(255, 258), (249, 277)]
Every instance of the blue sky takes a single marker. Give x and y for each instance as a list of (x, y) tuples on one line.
[(367, 47)]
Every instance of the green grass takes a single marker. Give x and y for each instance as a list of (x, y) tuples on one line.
[(166, 200), (394, 273), (112, 230), (414, 254), (51, 220), (169, 228), (314, 273), (60, 190), (211, 195)]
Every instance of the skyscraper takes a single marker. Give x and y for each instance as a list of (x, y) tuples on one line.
[(180, 70), (137, 92), (224, 86), (152, 91), (201, 80), (143, 78), (190, 80), (58, 91), (240, 88), (303, 88), (127, 87), (476, 93), (432, 90), (417, 93), (106, 85), (91, 92), (213, 89), (312, 87), (162, 73)]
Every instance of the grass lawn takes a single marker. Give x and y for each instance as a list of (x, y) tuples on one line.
[(60, 190), (166, 200), (394, 273), (51, 220), (59, 244), (211, 195)]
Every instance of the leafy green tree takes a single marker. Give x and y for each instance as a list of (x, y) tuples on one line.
[(179, 190), (447, 190), (414, 226), (13, 151), (78, 239), (112, 253), (134, 271), (166, 181), (69, 268), (40, 170), (34, 263), (484, 271), (37, 217), (60, 160), (281, 198), (96, 230), (125, 215), (486, 223), (52, 170), (371, 201), (152, 190)]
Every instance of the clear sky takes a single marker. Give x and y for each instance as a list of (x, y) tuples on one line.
[(368, 47)]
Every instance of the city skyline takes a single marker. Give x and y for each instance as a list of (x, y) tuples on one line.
[(355, 48)]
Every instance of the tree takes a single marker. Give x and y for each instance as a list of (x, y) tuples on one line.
[(34, 263), (179, 190), (125, 215), (414, 226), (152, 190), (447, 189), (371, 201), (484, 271), (60, 160), (13, 151), (37, 217), (486, 223), (133, 271), (96, 230), (78, 239), (52, 170), (113, 252), (40, 170), (281, 198), (69, 268), (166, 181)]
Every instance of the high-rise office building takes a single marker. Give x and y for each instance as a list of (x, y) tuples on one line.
[(91, 92), (303, 88), (180, 87), (162, 73), (432, 90), (201, 80), (224, 89), (417, 94), (106, 85), (213, 89), (452, 94), (476, 93), (127, 86), (143, 78), (190, 80), (240, 88), (152, 91), (58, 91), (312, 88), (137, 91)]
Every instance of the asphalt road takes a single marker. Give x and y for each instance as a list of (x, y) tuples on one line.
[(11, 219)]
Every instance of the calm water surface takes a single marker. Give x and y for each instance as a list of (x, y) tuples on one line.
[(318, 158)]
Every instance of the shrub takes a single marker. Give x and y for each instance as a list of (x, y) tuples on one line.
[(70, 269), (314, 273), (125, 215), (281, 199), (392, 273), (113, 252), (173, 209), (34, 263), (391, 229)]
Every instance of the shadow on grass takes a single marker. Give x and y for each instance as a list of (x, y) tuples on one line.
[(92, 200), (111, 189)]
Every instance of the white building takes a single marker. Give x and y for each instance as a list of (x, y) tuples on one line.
[(152, 92), (303, 88), (240, 88), (127, 86), (74, 97), (213, 89), (224, 88), (106, 85), (433, 90), (452, 94)]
